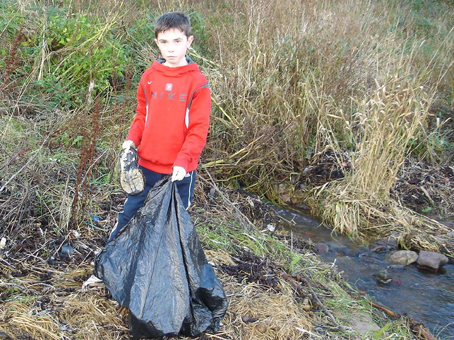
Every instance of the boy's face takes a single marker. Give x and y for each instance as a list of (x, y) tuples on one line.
[(173, 44)]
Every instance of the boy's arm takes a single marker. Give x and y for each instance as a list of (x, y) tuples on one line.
[(199, 121), (138, 124)]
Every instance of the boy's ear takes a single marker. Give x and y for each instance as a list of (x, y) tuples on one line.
[(156, 41), (191, 39)]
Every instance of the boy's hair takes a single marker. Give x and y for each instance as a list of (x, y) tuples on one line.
[(173, 20)]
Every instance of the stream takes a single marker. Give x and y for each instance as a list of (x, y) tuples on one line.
[(422, 295)]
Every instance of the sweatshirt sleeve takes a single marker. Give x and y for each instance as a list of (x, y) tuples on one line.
[(199, 121), (138, 124)]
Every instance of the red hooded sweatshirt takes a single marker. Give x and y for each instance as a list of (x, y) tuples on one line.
[(173, 111)]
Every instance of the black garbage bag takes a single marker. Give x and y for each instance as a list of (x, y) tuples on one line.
[(156, 267)]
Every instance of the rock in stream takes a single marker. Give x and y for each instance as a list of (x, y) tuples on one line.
[(431, 260), (404, 257)]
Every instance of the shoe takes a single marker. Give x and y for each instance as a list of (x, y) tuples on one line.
[(132, 179)]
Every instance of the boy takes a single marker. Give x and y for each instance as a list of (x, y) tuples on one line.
[(169, 130), (171, 123)]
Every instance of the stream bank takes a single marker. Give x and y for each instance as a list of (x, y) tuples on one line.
[(277, 289), (421, 294)]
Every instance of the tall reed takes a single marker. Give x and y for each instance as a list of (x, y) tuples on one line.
[(386, 123), (294, 79)]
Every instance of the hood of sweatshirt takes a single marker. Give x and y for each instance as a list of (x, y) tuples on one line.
[(159, 66)]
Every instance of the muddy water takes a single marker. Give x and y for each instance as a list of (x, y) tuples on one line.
[(424, 296)]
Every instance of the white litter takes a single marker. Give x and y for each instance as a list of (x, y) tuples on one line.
[(92, 283), (3, 243)]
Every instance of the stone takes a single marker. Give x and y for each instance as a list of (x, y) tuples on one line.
[(383, 246), (321, 248), (271, 228), (308, 170), (66, 250), (404, 257), (441, 239), (380, 248), (261, 328), (284, 192), (248, 318), (397, 281), (431, 260), (363, 324), (382, 276)]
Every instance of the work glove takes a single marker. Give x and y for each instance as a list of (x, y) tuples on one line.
[(178, 173), (132, 179)]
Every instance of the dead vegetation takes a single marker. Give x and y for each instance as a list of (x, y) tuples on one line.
[(60, 312), (42, 296), (274, 293), (360, 203), (345, 105)]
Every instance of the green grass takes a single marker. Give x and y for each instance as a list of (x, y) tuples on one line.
[(341, 299)]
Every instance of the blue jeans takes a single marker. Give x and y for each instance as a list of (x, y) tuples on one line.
[(134, 203)]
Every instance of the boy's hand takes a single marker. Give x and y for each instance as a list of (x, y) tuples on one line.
[(128, 144), (178, 173)]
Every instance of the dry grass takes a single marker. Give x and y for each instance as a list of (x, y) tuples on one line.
[(383, 129), (76, 316), (384, 125), (273, 321), (42, 299), (292, 78), (58, 311), (71, 316)]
